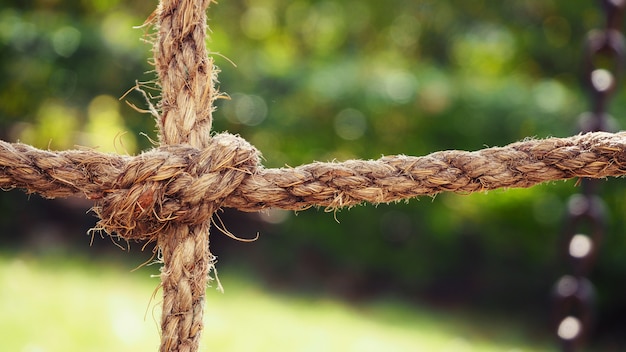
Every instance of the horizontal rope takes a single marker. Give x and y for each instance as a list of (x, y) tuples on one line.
[(177, 182), (393, 178)]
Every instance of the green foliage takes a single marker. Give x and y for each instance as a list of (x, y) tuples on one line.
[(324, 80), (58, 58), (75, 305)]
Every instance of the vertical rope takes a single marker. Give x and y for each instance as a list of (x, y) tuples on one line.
[(187, 77), (186, 73)]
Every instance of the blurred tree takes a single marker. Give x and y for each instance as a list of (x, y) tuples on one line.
[(323, 80)]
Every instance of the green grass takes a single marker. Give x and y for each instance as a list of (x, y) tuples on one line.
[(79, 305)]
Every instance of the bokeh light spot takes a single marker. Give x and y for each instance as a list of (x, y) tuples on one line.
[(577, 205), (245, 109), (602, 79), (399, 86), (65, 41), (484, 50), (350, 124), (258, 22), (569, 328), (580, 246), (105, 127), (567, 286), (550, 96)]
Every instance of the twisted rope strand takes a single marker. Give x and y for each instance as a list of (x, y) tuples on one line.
[(186, 73), (392, 178), (169, 194), (228, 172), (187, 77)]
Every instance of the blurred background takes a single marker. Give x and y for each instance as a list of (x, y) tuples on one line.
[(318, 80)]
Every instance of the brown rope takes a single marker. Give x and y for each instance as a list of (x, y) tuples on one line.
[(187, 77), (186, 73), (138, 196), (169, 194)]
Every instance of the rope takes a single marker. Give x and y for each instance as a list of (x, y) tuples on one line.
[(187, 77), (136, 197), (170, 193), (186, 73)]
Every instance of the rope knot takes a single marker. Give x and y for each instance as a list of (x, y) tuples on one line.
[(176, 183)]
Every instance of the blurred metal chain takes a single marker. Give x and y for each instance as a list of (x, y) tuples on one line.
[(586, 213)]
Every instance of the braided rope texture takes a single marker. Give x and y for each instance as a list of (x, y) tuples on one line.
[(177, 183), (169, 194), (187, 76)]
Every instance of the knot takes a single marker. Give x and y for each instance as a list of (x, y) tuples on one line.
[(176, 183)]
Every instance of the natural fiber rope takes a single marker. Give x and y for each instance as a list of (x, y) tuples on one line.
[(169, 194), (186, 75), (137, 196)]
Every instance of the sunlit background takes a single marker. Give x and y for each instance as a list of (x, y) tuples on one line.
[(312, 80)]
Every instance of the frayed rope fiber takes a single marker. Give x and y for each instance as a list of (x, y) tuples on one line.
[(138, 196), (187, 77), (169, 194)]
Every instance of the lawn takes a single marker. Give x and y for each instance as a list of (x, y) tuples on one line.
[(70, 304)]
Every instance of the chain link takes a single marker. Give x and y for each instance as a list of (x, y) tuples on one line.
[(586, 218)]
